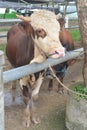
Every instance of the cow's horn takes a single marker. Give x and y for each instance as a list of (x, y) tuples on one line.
[(58, 16), (27, 19)]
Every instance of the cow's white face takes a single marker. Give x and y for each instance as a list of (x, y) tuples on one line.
[(47, 29)]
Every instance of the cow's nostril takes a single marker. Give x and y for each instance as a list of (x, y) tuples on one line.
[(56, 52)]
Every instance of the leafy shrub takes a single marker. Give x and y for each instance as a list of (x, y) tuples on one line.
[(79, 88)]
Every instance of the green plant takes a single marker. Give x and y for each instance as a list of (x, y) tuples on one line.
[(79, 88)]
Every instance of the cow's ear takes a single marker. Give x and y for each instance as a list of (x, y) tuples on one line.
[(61, 21), (27, 19)]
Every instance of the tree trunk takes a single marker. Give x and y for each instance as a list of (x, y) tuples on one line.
[(82, 19)]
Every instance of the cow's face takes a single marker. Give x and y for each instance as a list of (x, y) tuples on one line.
[(47, 29)]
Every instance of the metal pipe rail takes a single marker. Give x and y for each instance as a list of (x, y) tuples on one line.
[(3, 35), (9, 20), (20, 72)]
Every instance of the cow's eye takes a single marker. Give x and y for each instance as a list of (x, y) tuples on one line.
[(40, 33)]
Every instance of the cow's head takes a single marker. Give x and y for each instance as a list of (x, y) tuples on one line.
[(46, 29)]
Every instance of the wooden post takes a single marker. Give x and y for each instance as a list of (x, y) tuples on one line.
[(1, 92), (82, 19)]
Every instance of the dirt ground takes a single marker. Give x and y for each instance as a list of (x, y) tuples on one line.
[(51, 107)]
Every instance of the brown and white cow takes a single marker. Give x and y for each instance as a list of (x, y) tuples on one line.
[(33, 41)]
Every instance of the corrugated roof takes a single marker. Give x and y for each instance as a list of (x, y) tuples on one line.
[(22, 3), (37, 1)]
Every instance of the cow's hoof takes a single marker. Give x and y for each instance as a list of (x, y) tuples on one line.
[(51, 92), (49, 76), (36, 120), (60, 92), (26, 123), (13, 98), (14, 103)]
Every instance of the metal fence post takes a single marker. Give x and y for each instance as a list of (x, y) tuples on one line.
[(66, 22), (2, 61)]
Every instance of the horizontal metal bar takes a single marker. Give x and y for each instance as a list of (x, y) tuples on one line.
[(3, 35), (9, 20), (72, 27), (20, 72)]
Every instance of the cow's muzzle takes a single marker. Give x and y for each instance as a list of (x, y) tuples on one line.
[(57, 53)]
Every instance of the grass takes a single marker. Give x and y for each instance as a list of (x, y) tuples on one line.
[(75, 34), (4, 29), (3, 47), (8, 16)]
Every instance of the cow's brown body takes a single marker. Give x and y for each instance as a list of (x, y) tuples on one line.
[(20, 47)]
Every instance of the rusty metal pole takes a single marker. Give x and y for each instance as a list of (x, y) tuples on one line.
[(53, 5), (1, 91)]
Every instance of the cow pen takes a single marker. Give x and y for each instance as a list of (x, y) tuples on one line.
[(20, 72), (17, 73)]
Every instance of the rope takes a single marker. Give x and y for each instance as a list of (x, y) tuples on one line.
[(54, 75)]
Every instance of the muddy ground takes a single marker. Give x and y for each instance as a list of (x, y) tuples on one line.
[(50, 107)]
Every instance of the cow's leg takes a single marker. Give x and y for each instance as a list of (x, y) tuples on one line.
[(49, 76), (29, 109), (37, 86), (50, 85), (60, 87), (26, 97), (26, 121), (13, 90), (34, 117)]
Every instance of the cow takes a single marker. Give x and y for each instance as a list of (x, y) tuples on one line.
[(33, 40), (60, 69)]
